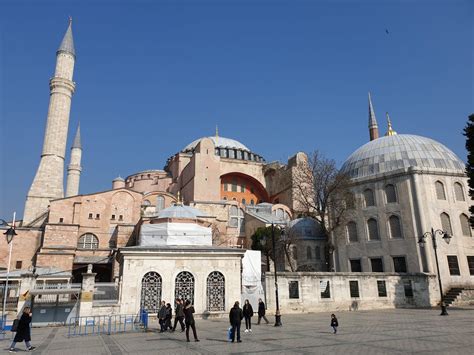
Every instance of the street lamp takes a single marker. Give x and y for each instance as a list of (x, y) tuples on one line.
[(10, 233), (447, 239), (277, 313)]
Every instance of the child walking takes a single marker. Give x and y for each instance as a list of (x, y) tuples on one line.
[(334, 323)]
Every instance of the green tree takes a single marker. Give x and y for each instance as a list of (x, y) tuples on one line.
[(469, 133), (262, 240)]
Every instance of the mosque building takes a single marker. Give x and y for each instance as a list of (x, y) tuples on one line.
[(210, 197)]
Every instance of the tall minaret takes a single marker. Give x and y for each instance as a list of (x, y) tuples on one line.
[(373, 127), (74, 167), (48, 183)]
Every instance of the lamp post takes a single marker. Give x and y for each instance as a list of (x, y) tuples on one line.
[(10, 233), (277, 312), (447, 239)]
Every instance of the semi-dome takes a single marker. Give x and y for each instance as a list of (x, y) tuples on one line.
[(390, 153), (219, 142)]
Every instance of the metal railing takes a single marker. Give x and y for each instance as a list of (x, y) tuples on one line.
[(96, 325), (12, 296), (106, 292)]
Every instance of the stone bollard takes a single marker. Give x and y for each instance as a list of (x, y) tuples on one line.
[(87, 292)]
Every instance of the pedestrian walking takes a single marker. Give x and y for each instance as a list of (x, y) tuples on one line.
[(189, 320), (235, 317), (162, 316), (248, 314), (169, 315), (261, 311), (334, 323), (23, 331), (179, 315)]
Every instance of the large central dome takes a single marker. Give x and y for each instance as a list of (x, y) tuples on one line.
[(390, 153), (219, 142)]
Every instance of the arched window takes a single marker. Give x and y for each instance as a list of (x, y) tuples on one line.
[(459, 192), (252, 202), (215, 292), (352, 232), (317, 253), (294, 252), (350, 200), (160, 203), (88, 241), (440, 194), (395, 227), (308, 253), (373, 229), (465, 227), (236, 218), (184, 286), (446, 223), (390, 194), (151, 292), (244, 202), (146, 203), (280, 214), (369, 198)]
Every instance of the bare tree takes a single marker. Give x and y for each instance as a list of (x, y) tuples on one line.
[(322, 192)]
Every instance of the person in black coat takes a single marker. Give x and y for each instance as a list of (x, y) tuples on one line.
[(23, 331), (334, 323), (235, 318), (248, 314), (179, 315), (162, 316), (169, 315), (189, 319), (261, 311)]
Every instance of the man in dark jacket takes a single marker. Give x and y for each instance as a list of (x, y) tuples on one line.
[(179, 315), (235, 317), (261, 311), (23, 332), (162, 316)]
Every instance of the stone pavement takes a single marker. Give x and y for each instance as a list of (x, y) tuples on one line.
[(399, 331)]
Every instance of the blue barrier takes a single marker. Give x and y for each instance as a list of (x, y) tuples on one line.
[(96, 325), (144, 318)]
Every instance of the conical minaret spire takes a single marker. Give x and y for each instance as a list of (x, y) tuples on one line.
[(74, 168), (48, 183), (373, 127)]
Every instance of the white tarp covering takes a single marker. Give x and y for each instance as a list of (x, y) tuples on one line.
[(174, 234), (252, 288)]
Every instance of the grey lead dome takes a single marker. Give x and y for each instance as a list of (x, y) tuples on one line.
[(390, 153)]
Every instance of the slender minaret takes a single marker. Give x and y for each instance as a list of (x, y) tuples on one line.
[(373, 127), (74, 167), (48, 183)]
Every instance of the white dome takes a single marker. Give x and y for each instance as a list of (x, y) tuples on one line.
[(390, 153), (219, 142)]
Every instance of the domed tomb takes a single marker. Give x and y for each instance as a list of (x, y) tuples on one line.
[(390, 153)]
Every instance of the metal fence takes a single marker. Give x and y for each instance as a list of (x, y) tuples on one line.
[(106, 292), (50, 296), (96, 325), (13, 294)]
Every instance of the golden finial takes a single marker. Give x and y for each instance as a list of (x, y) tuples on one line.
[(390, 131), (179, 202)]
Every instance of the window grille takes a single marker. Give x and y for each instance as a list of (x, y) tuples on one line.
[(293, 289), (88, 241), (453, 265), (184, 286), (446, 223), (354, 289), (215, 292), (151, 292), (381, 288)]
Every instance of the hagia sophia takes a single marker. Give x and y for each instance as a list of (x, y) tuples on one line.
[(199, 212)]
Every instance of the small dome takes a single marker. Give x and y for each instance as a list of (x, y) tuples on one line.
[(181, 211), (118, 178), (219, 142), (390, 153)]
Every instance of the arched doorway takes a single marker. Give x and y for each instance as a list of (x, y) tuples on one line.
[(151, 292)]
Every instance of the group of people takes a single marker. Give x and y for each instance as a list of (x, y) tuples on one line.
[(236, 315), (183, 314)]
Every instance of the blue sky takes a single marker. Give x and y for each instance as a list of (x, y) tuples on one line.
[(279, 76)]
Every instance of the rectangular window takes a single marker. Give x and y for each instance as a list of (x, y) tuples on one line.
[(90, 215), (293, 288), (453, 265), (226, 186), (377, 264), (242, 188), (399, 264), (113, 217), (234, 186), (470, 263), (18, 264), (381, 288), (97, 216), (356, 265), (61, 220), (408, 288), (234, 222), (121, 217), (325, 289), (354, 289)]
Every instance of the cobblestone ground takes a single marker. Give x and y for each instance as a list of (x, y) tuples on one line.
[(399, 331)]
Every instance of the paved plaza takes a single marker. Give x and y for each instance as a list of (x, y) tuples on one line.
[(399, 331)]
